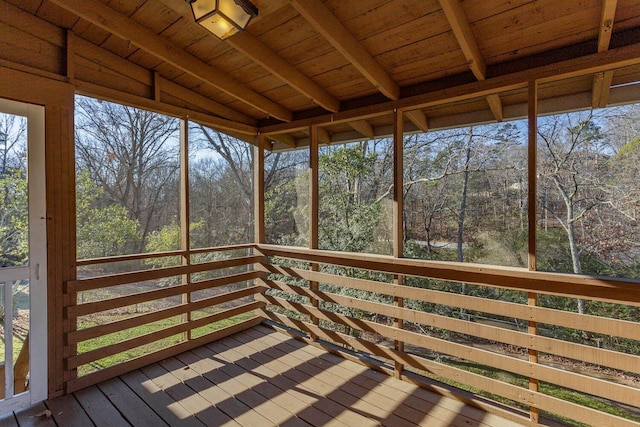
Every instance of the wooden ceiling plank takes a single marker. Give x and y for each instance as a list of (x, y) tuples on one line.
[(201, 101), (127, 68), (495, 104), (602, 81), (363, 127), (462, 30), (38, 27), (103, 16), (418, 118), (268, 59), (257, 51), (318, 15)]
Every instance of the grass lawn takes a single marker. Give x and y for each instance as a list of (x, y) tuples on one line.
[(106, 340)]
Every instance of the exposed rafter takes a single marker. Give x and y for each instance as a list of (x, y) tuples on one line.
[(462, 30), (602, 81), (495, 104), (317, 14), (606, 24), (268, 59), (419, 119), (620, 57), (363, 127), (110, 20)]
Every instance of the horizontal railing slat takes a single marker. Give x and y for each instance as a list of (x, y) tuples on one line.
[(131, 322), (597, 356), (515, 393), (154, 274), (137, 298), (119, 347), (626, 291), (152, 255), (595, 386), (585, 322)]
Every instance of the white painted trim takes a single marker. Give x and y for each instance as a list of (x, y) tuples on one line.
[(11, 274), (36, 272)]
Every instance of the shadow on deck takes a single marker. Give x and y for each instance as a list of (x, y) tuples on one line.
[(256, 378)]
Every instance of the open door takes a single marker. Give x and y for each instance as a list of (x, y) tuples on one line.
[(23, 269)]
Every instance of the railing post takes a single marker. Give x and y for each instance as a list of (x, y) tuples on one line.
[(534, 413), (313, 214), (258, 189), (258, 199), (398, 220)]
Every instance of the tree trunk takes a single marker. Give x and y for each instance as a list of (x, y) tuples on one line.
[(463, 209), (463, 199)]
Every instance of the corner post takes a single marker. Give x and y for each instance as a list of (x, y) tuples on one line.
[(313, 215), (532, 299), (398, 221)]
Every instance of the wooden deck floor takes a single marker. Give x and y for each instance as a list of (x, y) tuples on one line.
[(256, 378)]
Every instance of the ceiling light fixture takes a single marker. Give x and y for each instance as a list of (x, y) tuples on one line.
[(223, 18)]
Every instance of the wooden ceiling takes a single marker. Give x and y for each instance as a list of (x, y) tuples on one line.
[(313, 61)]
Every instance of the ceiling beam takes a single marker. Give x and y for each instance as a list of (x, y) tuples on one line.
[(318, 15), (496, 106), (581, 66), (284, 139), (462, 30), (120, 25), (418, 118), (363, 127), (269, 60), (602, 81)]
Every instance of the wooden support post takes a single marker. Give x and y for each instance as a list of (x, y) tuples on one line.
[(258, 189), (398, 219), (313, 213), (156, 86), (532, 299), (258, 200), (185, 242)]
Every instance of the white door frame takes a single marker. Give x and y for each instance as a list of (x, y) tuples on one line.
[(36, 272)]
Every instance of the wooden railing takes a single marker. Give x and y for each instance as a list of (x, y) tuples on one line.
[(365, 322), (104, 317)]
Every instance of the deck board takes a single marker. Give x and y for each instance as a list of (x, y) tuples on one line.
[(101, 412), (259, 377)]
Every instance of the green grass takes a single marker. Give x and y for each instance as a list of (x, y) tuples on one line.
[(106, 340), (18, 342)]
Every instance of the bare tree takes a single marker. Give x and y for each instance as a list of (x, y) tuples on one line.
[(133, 155), (574, 164)]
